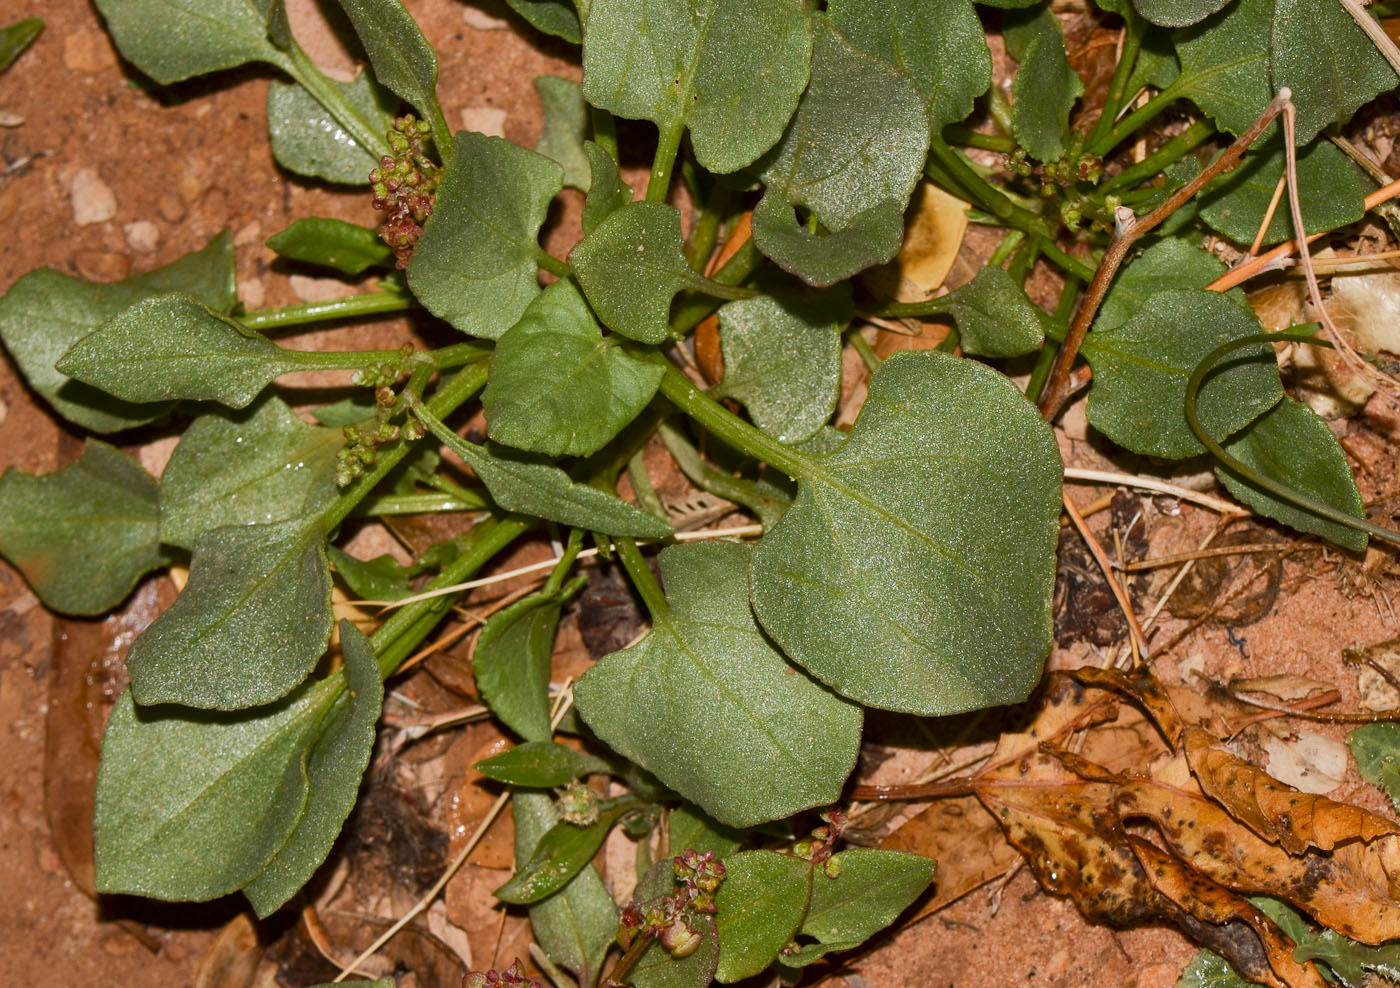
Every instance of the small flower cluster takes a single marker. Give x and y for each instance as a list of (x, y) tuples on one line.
[(821, 847), (578, 804), (668, 920), (405, 187), (362, 441), (509, 978)]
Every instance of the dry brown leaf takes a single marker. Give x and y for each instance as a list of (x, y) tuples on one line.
[(1277, 812), (965, 840), (933, 234), (708, 354), (232, 960), (1284, 687)]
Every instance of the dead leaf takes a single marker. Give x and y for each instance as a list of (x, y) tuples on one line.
[(707, 349), (1304, 759), (933, 234), (1284, 687), (966, 841), (232, 960)]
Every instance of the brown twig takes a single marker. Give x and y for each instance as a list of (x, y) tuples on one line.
[(1130, 228), (1186, 557), (1135, 636)]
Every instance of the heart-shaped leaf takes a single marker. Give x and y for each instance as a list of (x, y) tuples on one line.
[(696, 62), (758, 908), (903, 577), (83, 536), (248, 627), (170, 40), (476, 263), (557, 385), (565, 128), (707, 704), (1168, 264), (308, 140), (872, 237)]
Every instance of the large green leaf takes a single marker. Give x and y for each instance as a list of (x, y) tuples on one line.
[(533, 485), (45, 313), (557, 385), (575, 926), (939, 44), (83, 536), (194, 804), (706, 703), (915, 570), (347, 247), (994, 316), (308, 140), (565, 128), (561, 853), (1290, 444), (1141, 368), (511, 663), (556, 17), (758, 908), (1169, 263), (1177, 13), (333, 764), (1046, 86), (1329, 188), (402, 59), (731, 69), (871, 889), (631, 266), (782, 359), (851, 156), (1325, 58), (1224, 64), (255, 467), (475, 265), (170, 40), (248, 627), (176, 347)]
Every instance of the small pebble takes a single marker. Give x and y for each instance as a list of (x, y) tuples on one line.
[(482, 21), (487, 120), (143, 236), (88, 51), (102, 265), (250, 233), (189, 186), (93, 201), (310, 289), (171, 208), (251, 293)]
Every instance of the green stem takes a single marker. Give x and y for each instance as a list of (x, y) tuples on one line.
[(442, 359), (442, 133), (864, 350), (462, 386), (642, 578), (692, 310), (300, 67), (349, 307), (1129, 124), (1046, 357), (399, 636), (667, 145), (705, 234), (1024, 259), (416, 504), (642, 485), (1006, 248), (740, 490), (1169, 153), (566, 563), (552, 264), (1067, 263), (967, 137), (1133, 29)]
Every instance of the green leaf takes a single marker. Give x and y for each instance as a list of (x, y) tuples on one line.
[(871, 890), (1322, 54), (565, 128), (1177, 13), (560, 855), (1348, 960), (858, 140), (45, 312), (1376, 748), (401, 57), (1141, 368), (170, 40), (1290, 444), (631, 266), (706, 703), (872, 237), (557, 385), (349, 248), (994, 316), (83, 536), (915, 570), (193, 804), (333, 764), (308, 140), (731, 69), (1224, 64), (1169, 263), (1210, 970), (533, 485), (380, 578), (1329, 187), (256, 467), (938, 44), (575, 926), (539, 765), (607, 191), (758, 908), (657, 968), (556, 17), (1046, 86), (248, 627), (782, 359), (476, 264), (176, 347), (512, 660), (693, 828), (16, 37)]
